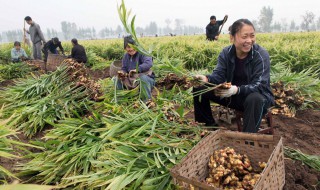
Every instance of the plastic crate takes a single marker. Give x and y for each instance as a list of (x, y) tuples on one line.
[(191, 172)]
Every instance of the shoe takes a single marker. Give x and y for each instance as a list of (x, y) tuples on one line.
[(211, 126)]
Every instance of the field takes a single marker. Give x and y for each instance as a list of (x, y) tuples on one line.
[(70, 128)]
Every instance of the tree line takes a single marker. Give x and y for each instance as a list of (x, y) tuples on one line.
[(264, 23)]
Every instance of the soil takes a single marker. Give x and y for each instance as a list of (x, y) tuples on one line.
[(6, 83), (98, 74)]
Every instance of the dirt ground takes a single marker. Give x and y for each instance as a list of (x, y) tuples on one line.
[(301, 132)]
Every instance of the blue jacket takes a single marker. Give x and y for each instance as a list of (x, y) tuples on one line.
[(257, 70), (130, 62)]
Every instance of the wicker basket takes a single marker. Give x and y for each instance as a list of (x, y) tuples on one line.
[(115, 67), (193, 169), (54, 60)]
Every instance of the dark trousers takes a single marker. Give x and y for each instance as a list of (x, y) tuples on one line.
[(253, 106)]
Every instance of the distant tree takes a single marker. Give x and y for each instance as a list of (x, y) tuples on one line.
[(49, 33), (178, 26), (318, 23), (14, 35), (0, 38), (292, 26), (153, 28), (94, 35), (167, 29), (119, 30), (73, 31), (66, 29), (139, 30), (277, 26), (265, 19), (54, 32), (308, 18), (313, 27), (256, 25), (284, 25)]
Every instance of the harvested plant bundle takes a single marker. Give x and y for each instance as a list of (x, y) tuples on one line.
[(287, 100), (35, 101), (131, 149), (230, 170)]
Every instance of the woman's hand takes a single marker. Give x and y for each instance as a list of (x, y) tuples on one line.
[(224, 93), (201, 77)]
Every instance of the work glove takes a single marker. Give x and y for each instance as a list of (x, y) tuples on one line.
[(201, 78), (224, 93), (121, 74), (132, 72)]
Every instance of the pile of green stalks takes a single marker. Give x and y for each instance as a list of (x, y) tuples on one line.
[(36, 101), (14, 70), (10, 148), (128, 146)]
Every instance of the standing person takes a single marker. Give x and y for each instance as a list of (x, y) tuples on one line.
[(51, 47), (36, 37), (246, 65), (212, 29), (17, 53), (136, 64), (78, 52)]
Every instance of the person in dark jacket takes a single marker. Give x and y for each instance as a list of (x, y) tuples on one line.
[(246, 66), (51, 47), (78, 52), (212, 29), (134, 62)]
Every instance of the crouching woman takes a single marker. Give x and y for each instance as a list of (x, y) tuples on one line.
[(135, 65), (245, 65)]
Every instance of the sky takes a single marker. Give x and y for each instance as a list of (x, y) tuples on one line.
[(103, 13)]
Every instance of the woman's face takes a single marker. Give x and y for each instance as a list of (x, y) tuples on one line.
[(130, 50), (243, 40)]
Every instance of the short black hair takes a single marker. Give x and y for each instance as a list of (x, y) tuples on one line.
[(27, 18), (238, 24), (55, 40), (16, 43), (128, 40), (75, 41), (213, 17)]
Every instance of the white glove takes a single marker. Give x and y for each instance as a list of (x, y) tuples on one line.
[(224, 93)]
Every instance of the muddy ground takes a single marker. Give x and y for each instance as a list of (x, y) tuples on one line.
[(301, 132)]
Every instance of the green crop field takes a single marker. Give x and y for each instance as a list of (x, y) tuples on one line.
[(115, 141)]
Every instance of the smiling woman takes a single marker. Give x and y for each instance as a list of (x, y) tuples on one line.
[(246, 66)]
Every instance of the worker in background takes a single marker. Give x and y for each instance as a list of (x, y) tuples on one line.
[(78, 52), (36, 37), (51, 47), (212, 29), (17, 53)]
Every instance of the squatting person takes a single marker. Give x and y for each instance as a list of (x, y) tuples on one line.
[(17, 53), (246, 65), (135, 64)]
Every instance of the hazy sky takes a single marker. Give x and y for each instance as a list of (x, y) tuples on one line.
[(103, 13)]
